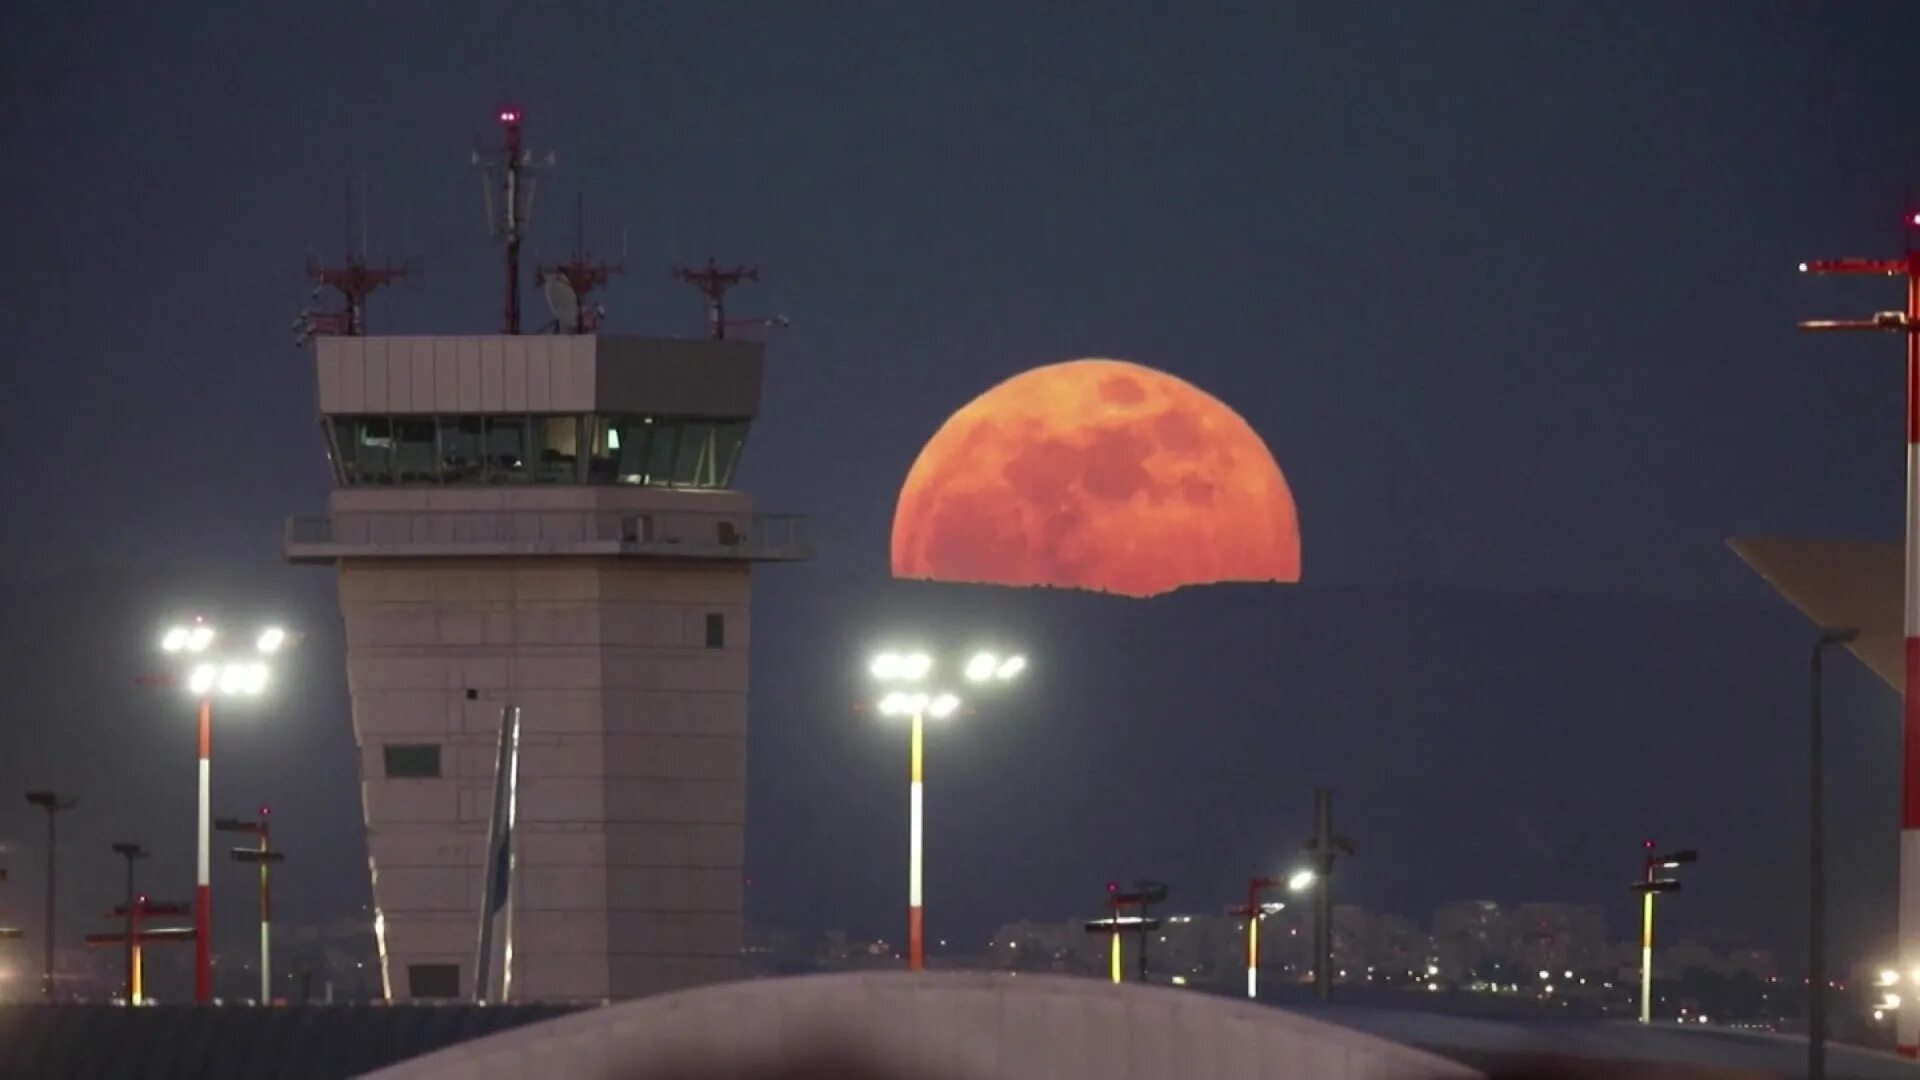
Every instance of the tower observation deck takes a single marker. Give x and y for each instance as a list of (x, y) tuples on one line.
[(548, 521)]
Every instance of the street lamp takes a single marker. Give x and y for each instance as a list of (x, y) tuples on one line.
[(132, 853), (1817, 857), (1647, 888), (904, 675), (210, 672), (264, 856), (1300, 881), (53, 804)]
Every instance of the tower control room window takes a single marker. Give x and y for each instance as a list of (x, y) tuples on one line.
[(366, 449), (648, 451), (415, 460), (506, 449), (556, 442), (463, 445)]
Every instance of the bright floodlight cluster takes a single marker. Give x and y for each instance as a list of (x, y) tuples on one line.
[(227, 676), (902, 667), (246, 677), (901, 703), (1301, 881), (193, 639), (916, 667), (985, 667)]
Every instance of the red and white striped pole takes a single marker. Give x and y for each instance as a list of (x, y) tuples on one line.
[(1908, 1019), (916, 946), (202, 892)]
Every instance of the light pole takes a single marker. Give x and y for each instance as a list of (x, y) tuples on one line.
[(132, 853), (912, 670), (1817, 858), (1647, 888), (53, 804), (1320, 851), (235, 675), (264, 856)]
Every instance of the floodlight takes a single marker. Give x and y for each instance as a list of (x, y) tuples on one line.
[(982, 667)]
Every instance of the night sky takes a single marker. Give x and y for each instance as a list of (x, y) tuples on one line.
[(1509, 290)]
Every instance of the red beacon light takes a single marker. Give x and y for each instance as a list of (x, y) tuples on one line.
[(509, 116)]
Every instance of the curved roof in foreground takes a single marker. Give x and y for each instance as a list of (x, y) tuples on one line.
[(938, 1026), (1839, 583)]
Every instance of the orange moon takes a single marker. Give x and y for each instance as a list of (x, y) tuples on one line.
[(1101, 475)]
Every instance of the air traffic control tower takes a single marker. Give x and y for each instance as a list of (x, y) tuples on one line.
[(550, 522)]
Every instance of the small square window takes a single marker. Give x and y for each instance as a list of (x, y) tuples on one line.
[(716, 630), (413, 761), (433, 980)]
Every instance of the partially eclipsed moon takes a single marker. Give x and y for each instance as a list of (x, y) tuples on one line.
[(1096, 474)]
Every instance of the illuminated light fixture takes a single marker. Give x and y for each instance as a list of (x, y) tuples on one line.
[(894, 704), (198, 638), (1011, 666), (906, 667), (982, 667), (175, 639), (202, 678), (1916, 976), (271, 639), (1546, 975), (943, 706), (1301, 880), (1179, 980), (613, 438), (1890, 1001), (1890, 977)]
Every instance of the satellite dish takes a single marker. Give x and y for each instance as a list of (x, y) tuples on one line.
[(564, 302)]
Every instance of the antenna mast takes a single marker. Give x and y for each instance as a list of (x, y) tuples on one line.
[(516, 203), (713, 281), (354, 280), (580, 276)]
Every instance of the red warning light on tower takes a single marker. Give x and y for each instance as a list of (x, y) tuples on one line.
[(509, 116)]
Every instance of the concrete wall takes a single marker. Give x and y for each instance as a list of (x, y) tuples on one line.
[(632, 799), (946, 1025)]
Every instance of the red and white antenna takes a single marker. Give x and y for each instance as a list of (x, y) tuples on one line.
[(354, 280), (713, 281), (514, 166), (1907, 1025), (568, 285)]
